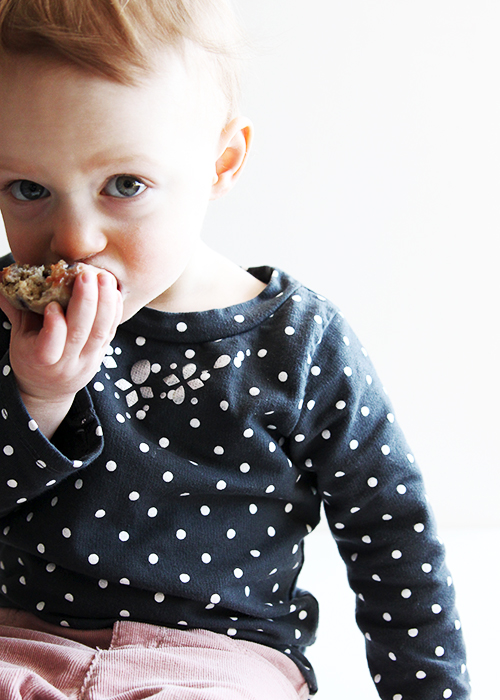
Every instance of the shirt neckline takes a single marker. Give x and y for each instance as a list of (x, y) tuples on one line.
[(216, 324)]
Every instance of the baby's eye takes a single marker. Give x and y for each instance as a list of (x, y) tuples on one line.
[(124, 186), (28, 191)]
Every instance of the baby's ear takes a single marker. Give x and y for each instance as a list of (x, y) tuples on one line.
[(234, 145)]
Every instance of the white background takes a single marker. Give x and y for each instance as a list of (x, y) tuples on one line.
[(374, 178)]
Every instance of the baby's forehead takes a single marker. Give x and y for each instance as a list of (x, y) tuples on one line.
[(184, 76)]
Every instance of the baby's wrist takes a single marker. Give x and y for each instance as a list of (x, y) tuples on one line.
[(47, 414)]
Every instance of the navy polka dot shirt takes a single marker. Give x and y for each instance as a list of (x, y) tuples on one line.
[(180, 488)]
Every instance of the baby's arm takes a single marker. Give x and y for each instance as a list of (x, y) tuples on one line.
[(377, 509), (54, 360)]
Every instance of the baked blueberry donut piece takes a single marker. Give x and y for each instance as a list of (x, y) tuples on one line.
[(34, 286)]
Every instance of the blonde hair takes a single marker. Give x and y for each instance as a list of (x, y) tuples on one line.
[(119, 38)]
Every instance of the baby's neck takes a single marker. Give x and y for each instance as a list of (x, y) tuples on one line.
[(210, 281)]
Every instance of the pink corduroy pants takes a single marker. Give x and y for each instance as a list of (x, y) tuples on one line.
[(136, 661)]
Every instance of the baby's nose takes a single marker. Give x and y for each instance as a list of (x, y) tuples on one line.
[(76, 235)]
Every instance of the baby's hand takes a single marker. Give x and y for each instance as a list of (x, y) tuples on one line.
[(54, 357)]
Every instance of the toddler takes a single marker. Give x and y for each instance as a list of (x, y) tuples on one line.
[(168, 442)]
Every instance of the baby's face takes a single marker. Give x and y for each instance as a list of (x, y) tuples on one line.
[(115, 176)]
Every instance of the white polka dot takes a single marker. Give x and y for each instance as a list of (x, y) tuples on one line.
[(372, 482), (315, 371), (354, 444), (167, 477), (8, 450), (253, 508), (427, 568), (133, 496), (271, 531), (390, 418), (93, 559), (12, 483), (231, 534), (272, 447), (447, 693), (41, 548), (365, 411), (326, 434), (66, 532), (185, 578), (419, 527), (224, 405), (387, 516), (340, 405), (392, 656), (111, 466), (385, 449), (366, 539), (406, 593), (396, 554), (194, 423), (436, 609), (6, 370), (238, 573), (33, 425), (153, 558), (239, 318), (439, 651), (413, 632), (98, 386), (348, 371), (164, 442), (181, 327), (220, 485), (255, 553), (143, 447), (231, 632), (181, 534), (282, 376), (206, 558), (140, 340), (254, 391), (152, 512), (398, 696), (369, 380), (376, 577), (205, 510), (421, 675), (215, 598), (244, 468), (401, 488), (248, 433), (159, 597), (387, 617), (124, 536), (299, 438)]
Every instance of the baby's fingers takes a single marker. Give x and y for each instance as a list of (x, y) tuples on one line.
[(51, 340), (81, 312), (108, 315)]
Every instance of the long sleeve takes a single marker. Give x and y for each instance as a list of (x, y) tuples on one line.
[(31, 464), (376, 506)]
